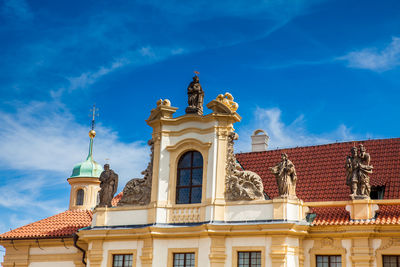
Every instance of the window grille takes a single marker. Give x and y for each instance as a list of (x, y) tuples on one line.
[(190, 178), (122, 260), (184, 260), (249, 259), (329, 261)]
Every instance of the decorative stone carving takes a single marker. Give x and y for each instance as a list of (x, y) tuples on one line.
[(108, 186), (227, 100), (240, 184), (163, 110), (195, 97), (138, 191), (358, 170), (286, 177)]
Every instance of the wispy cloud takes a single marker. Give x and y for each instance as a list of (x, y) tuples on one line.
[(89, 78), (375, 59), (45, 137), (283, 135), (143, 56), (78, 54), (41, 142)]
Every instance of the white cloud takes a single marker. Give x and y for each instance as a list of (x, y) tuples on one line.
[(90, 77), (41, 142), (374, 59), (45, 137), (286, 135), (143, 56)]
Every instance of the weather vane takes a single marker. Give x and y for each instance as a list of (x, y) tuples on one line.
[(196, 72), (95, 114)]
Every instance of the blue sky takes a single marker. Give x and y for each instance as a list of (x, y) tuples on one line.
[(307, 72)]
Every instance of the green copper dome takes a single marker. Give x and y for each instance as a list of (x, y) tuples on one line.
[(88, 168)]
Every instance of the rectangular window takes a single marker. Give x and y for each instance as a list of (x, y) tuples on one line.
[(391, 260), (184, 260), (249, 259), (329, 261), (122, 260)]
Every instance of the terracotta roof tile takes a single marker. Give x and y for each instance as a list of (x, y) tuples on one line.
[(61, 225), (320, 169), (387, 214)]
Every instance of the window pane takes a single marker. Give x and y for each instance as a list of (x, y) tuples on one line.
[(391, 260), (184, 177), (196, 195), (185, 160), (197, 176), (128, 260), (118, 261), (184, 260), (79, 197), (189, 260), (329, 260), (197, 159), (249, 259), (182, 196), (190, 176)]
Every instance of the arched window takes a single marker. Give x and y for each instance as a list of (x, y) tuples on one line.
[(190, 178), (80, 194)]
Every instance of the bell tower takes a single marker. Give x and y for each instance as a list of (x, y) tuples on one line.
[(84, 180)]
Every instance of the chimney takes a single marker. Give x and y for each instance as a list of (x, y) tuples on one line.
[(259, 141)]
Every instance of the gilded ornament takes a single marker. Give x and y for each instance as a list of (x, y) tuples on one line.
[(227, 100)]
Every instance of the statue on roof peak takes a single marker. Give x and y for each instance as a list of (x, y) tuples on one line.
[(358, 170), (195, 97)]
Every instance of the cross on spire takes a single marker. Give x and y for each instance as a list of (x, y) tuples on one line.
[(95, 113)]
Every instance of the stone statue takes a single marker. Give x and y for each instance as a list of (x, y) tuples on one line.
[(195, 97), (138, 191), (358, 169), (108, 186), (240, 184), (286, 177)]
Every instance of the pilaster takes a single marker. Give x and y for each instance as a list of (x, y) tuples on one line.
[(217, 251), (16, 256), (278, 251), (362, 254), (147, 253), (95, 254)]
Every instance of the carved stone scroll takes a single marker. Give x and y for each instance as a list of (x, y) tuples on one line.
[(138, 191), (240, 184)]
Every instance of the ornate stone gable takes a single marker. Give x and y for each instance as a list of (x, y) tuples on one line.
[(240, 184), (138, 191)]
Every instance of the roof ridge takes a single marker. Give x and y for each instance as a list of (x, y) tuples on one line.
[(322, 145)]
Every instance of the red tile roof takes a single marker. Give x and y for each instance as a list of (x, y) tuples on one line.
[(387, 214), (116, 199), (61, 225), (322, 176), (320, 169)]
